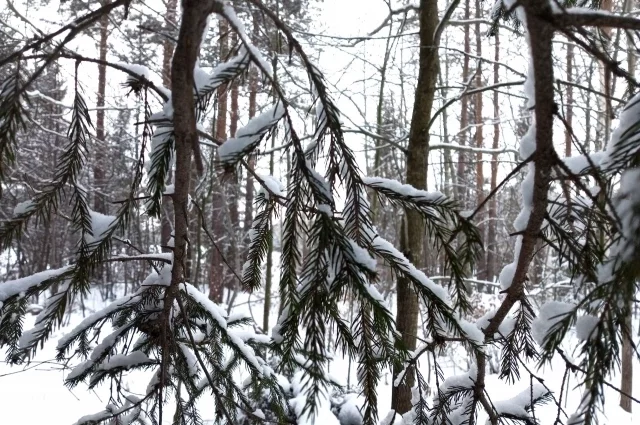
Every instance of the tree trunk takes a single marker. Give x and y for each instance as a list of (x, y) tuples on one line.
[(464, 110), (569, 107), (216, 277), (626, 370), (493, 213), (248, 200), (99, 203), (194, 19), (268, 284), (167, 54), (232, 189), (417, 155), (479, 137), (605, 82)]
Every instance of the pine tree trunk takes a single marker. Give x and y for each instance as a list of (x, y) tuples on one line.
[(217, 275), (167, 47), (569, 108), (194, 19), (99, 203), (464, 110), (378, 142), (479, 137), (167, 54), (268, 284), (232, 189), (412, 241), (626, 370), (492, 228), (605, 83), (248, 200)]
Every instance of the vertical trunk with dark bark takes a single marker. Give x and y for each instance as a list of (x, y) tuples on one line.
[(626, 370), (99, 203), (479, 137), (194, 18), (248, 200), (232, 191), (217, 275), (418, 149), (492, 228), (464, 110), (167, 54), (167, 47), (569, 106)]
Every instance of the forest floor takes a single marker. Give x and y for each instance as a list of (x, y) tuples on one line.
[(35, 394)]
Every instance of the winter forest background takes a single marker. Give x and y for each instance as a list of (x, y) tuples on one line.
[(319, 212)]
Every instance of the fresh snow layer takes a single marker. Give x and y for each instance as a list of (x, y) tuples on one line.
[(550, 314), (405, 190), (248, 136), (100, 224), (24, 207), (15, 287)]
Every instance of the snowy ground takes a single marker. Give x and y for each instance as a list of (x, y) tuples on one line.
[(35, 394)]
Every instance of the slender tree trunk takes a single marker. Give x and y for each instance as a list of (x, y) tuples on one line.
[(418, 150), (99, 202), (377, 142), (605, 83), (217, 275), (248, 200), (493, 213), (268, 284), (167, 46), (194, 19), (167, 54), (569, 107), (626, 370), (479, 136), (464, 110), (232, 189)]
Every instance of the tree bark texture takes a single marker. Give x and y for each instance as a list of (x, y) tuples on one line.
[(217, 275), (413, 236), (99, 203), (167, 54), (194, 18)]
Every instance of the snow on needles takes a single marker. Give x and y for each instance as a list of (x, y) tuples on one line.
[(383, 245), (139, 70), (625, 134), (519, 405), (24, 207), (100, 224), (238, 26), (250, 135), (405, 190), (362, 256), (585, 325), (15, 287), (550, 315), (125, 361), (271, 186)]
